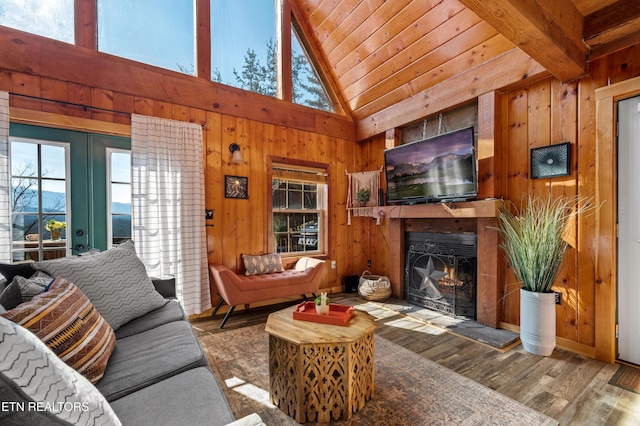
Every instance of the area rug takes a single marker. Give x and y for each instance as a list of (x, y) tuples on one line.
[(409, 389), (627, 378)]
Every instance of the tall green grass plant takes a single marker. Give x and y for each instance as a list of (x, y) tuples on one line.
[(533, 239)]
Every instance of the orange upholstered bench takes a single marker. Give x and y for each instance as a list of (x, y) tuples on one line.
[(239, 289)]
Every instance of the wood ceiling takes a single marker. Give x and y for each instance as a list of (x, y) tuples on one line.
[(380, 52)]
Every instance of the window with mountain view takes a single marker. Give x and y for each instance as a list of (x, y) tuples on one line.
[(119, 195), (38, 199)]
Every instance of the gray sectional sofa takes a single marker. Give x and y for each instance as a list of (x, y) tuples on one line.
[(157, 374)]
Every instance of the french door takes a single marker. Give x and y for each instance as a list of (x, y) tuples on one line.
[(70, 191)]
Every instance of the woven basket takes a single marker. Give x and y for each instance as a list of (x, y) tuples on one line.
[(374, 287)]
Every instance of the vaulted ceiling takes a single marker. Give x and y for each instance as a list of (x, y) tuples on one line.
[(379, 52)]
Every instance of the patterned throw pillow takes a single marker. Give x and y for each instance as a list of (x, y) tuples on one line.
[(115, 281), (66, 321), (262, 264), (42, 385)]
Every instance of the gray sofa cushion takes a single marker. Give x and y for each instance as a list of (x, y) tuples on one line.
[(170, 312), (146, 358), (190, 398)]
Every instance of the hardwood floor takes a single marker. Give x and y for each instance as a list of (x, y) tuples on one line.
[(567, 387)]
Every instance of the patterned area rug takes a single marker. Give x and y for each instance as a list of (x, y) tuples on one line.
[(628, 378), (409, 389)]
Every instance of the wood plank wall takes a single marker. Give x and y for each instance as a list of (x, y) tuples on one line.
[(539, 114), (239, 226)]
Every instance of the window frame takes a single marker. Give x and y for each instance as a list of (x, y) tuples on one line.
[(39, 178), (324, 202), (109, 181)]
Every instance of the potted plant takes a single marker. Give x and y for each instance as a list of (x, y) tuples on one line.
[(534, 246), (362, 196), (55, 227)]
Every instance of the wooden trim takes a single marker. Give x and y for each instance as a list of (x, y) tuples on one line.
[(513, 67), (59, 121), (285, 78), (488, 149), (606, 218), (550, 32), (203, 39), (39, 57), (85, 23)]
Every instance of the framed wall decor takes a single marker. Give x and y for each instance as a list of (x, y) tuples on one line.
[(236, 187), (550, 161)]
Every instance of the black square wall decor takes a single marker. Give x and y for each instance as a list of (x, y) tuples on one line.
[(236, 187), (550, 161)]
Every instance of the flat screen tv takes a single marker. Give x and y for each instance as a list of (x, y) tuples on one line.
[(441, 168)]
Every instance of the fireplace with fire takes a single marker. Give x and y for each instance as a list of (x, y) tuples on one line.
[(440, 272)]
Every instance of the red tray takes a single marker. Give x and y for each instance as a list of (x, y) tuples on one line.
[(338, 314)]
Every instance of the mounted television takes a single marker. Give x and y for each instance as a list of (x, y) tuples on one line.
[(437, 169)]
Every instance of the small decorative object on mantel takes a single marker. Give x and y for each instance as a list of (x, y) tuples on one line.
[(359, 199)]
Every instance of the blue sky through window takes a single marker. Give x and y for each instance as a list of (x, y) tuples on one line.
[(156, 32), (48, 18), (238, 25)]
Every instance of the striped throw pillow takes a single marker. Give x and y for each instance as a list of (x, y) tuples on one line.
[(66, 321)]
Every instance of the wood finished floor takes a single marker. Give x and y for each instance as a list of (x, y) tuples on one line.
[(567, 387)]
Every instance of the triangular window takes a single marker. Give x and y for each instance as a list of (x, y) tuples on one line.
[(307, 87)]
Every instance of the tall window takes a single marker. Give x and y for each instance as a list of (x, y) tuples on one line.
[(299, 200), (39, 199), (154, 32), (50, 18), (243, 44), (119, 193)]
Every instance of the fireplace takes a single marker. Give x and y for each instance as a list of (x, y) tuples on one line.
[(440, 272)]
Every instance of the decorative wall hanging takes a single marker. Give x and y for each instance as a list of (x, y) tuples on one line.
[(550, 161), (236, 187), (362, 195)]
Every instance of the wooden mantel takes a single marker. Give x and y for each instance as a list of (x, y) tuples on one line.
[(484, 215)]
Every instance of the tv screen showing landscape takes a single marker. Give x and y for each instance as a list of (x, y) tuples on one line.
[(435, 169)]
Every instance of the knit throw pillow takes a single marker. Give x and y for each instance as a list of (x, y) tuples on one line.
[(66, 321), (116, 282), (262, 264)]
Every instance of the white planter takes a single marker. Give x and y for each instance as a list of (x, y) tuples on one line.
[(538, 322), (322, 309)]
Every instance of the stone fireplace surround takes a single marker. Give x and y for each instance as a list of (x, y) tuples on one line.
[(479, 217)]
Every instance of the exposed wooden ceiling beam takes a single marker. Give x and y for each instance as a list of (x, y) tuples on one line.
[(505, 71), (613, 27), (549, 32)]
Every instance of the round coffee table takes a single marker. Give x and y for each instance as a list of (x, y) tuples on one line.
[(320, 372)]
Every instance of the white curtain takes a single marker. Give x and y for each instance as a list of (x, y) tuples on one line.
[(168, 205), (5, 181)]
